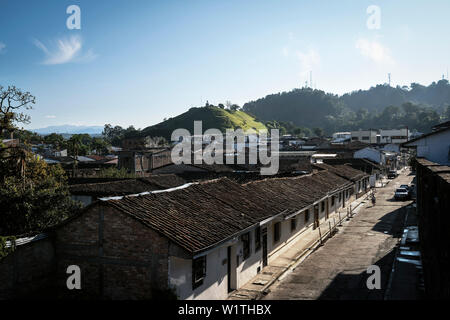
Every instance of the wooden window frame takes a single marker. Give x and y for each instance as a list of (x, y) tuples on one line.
[(198, 271)]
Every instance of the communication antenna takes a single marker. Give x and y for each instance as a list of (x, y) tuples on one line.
[(389, 77), (310, 80)]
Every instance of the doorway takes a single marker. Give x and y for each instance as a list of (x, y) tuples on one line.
[(264, 246), (316, 216), (231, 266)]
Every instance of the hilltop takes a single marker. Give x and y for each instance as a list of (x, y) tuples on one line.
[(211, 117)]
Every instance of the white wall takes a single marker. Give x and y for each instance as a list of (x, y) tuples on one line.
[(368, 153), (215, 284), (434, 147)]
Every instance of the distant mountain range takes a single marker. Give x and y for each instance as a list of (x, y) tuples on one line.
[(69, 129)]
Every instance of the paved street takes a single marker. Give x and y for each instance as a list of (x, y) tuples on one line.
[(337, 270)]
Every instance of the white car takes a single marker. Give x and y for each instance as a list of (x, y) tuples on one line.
[(401, 194)]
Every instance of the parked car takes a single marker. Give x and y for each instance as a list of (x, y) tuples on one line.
[(405, 186), (401, 194), (392, 174)]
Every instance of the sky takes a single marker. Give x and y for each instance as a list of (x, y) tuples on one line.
[(138, 62)]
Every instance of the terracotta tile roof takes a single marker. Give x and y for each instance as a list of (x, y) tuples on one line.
[(356, 163), (343, 171), (128, 186), (204, 214)]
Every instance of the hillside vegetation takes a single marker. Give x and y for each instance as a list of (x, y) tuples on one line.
[(418, 107), (211, 117)]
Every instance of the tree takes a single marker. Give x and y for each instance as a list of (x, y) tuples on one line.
[(34, 197), (56, 140), (113, 135), (319, 132), (100, 146), (12, 100), (234, 107), (447, 113)]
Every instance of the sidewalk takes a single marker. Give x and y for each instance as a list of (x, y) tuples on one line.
[(299, 251)]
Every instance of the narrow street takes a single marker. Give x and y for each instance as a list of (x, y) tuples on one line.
[(338, 269)]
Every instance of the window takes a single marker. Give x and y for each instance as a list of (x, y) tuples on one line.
[(365, 138), (293, 224), (245, 238), (276, 232), (198, 271), (257, 239), (340, 196), (332, 200), (306, 216), (322, 206)]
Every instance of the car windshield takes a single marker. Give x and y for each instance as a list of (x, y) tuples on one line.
[(401, 190)]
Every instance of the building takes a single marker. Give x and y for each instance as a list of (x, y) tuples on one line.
[(433, 146), (199, 240), (394, 135), (86, 193), (359, 179), (367, 136), (372, 154), (372, 169), (341, 137), (143, 162), (320, 157), (433, 207), (11, 143)]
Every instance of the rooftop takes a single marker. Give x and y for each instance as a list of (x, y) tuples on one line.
[(201, 215)]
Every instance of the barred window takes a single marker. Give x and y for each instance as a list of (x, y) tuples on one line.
[(198, 271)]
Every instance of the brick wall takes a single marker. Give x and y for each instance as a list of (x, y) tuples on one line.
[(119, 257), (28, 271), (433, 208)]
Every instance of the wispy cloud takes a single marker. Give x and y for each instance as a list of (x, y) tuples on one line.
[(375, 51), (2, 47), (308, 60), (66, 50), (50, 117)]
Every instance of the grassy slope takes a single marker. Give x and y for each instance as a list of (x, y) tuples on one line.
[(211, 117)]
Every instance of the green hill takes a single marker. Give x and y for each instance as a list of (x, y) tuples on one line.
[(211, 117)]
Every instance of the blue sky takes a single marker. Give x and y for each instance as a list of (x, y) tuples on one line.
[(137, 62)]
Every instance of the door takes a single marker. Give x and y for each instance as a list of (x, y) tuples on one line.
[(316, 216), (231, 266), (264, 246)]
